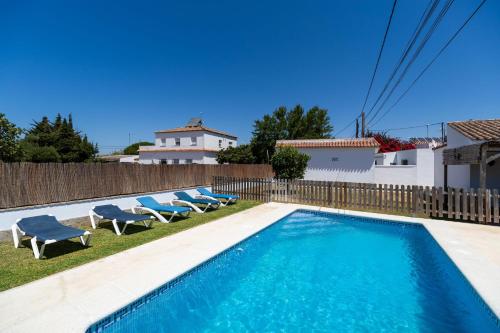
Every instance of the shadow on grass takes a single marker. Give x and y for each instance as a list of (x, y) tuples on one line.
[(59, 248), (131, 228)]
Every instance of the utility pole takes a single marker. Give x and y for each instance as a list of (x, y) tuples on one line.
[(357, 128), (363, 124), (442, 132)]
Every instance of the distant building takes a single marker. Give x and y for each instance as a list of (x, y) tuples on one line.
[(357, 160), (426, 142), (471, 156), (193, 143)]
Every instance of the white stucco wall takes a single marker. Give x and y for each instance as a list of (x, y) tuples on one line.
[(458, 175), (156, 157), (340, 164), (185, 138), (129, 159), (438, 167), (455, 139), (419, 171), (397, 157), (396, 174), (425, 166), (212, 141), (70, 210)]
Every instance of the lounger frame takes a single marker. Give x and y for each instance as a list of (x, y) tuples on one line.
[(158, 214), (95, 222), (17, 234), (222, 203), (197, 209)]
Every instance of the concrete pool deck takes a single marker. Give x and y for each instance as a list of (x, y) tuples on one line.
[(72, 300)]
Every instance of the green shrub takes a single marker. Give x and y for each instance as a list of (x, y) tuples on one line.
[(44, 154), (289, 163), (241, 154)]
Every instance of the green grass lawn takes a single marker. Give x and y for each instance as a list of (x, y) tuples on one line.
[(19, 266)]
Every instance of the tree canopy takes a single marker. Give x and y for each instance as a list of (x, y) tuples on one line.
[(9, 140), (285, 124), (241, 154), (56, 141), (289, 163), (133, 149)]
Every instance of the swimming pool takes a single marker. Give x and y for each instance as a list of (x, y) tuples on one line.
[(321, 272)]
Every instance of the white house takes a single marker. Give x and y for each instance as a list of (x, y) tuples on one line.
[(357, 160), (193, 143), (343, 160), (472, 153)]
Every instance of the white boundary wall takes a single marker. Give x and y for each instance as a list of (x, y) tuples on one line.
[(80, 208), (396, 174), (340, 164)]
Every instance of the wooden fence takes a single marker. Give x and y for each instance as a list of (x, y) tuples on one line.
[(451, 203), (23, 184)]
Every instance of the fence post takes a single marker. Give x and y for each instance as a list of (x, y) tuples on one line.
[(391, 197), (427, 202), (450, 203), (496, 198), (458, 211), (480, 208), (472, 202), (434, 201), (465, 206), (488, 206), (441, 201)]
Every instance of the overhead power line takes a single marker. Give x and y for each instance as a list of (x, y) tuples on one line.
[(406, 128), (417, 52), (469, 18), (381, 50), (380, 54), (426, 15), (344, 128)]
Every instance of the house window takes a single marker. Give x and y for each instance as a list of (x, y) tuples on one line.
[(175, 161), (177, 141), (163, 142), (220, 143), (189, 161), (193, 141), (230, 143), (163, 161)]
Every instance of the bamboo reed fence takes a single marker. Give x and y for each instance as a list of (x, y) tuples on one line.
[(26, 184), (481, 206)]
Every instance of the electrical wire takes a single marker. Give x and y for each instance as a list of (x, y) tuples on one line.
[(417, 52), (433, 60)]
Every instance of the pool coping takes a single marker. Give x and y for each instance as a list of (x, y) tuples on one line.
[(73, 300)]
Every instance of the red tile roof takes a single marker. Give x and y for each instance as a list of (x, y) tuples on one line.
[(478, 129), (330, 143), (197, 128)]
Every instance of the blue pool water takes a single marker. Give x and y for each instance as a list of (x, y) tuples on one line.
[(316, 272)]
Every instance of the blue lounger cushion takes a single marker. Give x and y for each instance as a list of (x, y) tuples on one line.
[(151, 203), (186, 197), (112, 212), (206, 192), (46, 227)]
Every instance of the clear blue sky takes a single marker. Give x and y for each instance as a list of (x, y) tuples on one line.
[(125, 67)]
